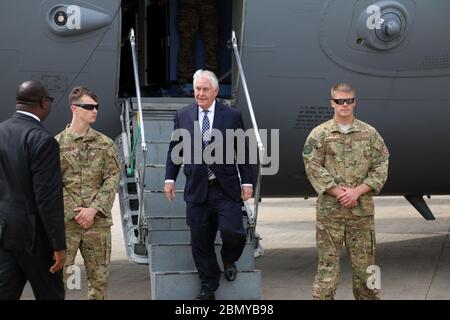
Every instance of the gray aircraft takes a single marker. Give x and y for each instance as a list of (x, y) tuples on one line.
[(292, 51)]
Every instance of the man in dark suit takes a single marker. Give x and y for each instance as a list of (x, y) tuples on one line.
[(213, 191), (32, 236)]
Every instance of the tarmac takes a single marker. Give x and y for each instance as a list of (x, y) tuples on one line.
[(413, 254)]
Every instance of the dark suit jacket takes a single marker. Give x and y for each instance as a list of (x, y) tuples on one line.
[(196, 174), (31, 196)]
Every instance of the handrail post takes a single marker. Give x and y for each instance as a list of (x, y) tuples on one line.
[(141, 124), (261, 150)]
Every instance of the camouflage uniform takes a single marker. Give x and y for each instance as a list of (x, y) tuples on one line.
[(90, 170), (192, 16), (333, 158)]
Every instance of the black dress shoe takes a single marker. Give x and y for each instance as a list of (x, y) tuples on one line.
[(230, 271), (206, 294)]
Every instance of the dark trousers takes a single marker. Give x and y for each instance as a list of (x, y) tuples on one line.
[(18, 267), (218, 212)]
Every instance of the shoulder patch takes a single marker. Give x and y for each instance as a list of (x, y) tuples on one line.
[(308, 149)]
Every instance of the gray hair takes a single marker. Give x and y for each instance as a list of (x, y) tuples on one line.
[(206, 74)]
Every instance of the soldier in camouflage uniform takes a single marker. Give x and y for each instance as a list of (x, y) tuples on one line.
[(192, 16), (346, 162), (90, 171)]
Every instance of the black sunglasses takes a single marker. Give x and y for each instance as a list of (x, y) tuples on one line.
[(342, 101), (86, 106)]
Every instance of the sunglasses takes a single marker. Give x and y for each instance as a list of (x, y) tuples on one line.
[(342, 101), (86, 106)]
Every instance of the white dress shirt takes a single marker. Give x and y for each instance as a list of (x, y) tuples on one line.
[(29, 114)]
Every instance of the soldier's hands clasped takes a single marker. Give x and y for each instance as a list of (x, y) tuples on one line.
[(85, 216)]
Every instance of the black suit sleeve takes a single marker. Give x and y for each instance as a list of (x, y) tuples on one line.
[(245, 169), (172, 169), (48, 192)]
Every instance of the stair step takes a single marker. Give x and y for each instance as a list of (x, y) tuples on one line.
[(155, 177), (174, 230), (150, 104), (157, 150), (179, 258), (186, 286), (167, 223), (175, 223), (156, 205), (173, 237), (169, 237)]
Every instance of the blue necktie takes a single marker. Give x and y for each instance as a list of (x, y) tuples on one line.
[(206, 136)]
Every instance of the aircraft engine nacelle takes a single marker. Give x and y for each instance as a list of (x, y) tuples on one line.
[(66, 20), (383, 25)]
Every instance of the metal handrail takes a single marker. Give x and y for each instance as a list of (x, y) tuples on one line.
[(125, 135), (254, 213), (141, 177)]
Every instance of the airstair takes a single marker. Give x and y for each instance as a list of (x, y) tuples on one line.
[(155, 230)]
